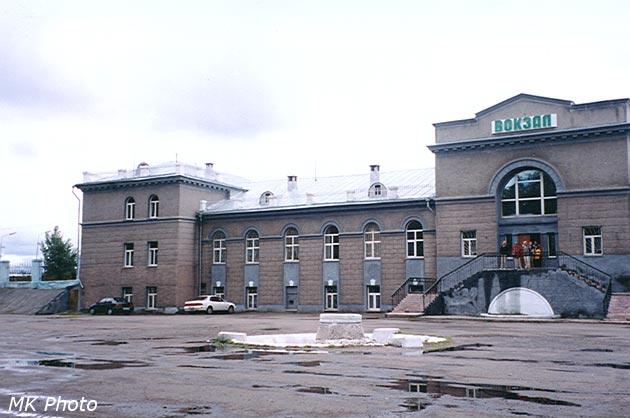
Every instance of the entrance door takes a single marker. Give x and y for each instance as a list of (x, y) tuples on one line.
[(331, 298), (291, 301), (374, 298)]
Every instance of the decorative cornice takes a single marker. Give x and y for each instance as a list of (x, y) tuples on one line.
[(147, 221), (533, 139), (155, 181)]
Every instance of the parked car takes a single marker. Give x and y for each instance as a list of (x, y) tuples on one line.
[(111, 306), (209, 304)]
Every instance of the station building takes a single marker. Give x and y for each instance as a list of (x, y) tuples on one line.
[(529, 168)]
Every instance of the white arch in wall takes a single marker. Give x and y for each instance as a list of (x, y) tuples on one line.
[(520, 301)]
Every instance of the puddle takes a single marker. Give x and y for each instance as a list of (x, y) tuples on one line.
[(248, 355), (109, 342), (463, 347), (195, 366), (271, 329), (95, 365), (597, 350), (613, 365), (319, 390), (206, 348), (52, 353), (313, 363), (195, 410), (438, 387)]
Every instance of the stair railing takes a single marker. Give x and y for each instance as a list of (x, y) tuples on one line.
[(402, 292)]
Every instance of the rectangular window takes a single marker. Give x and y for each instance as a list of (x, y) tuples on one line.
[(469, 243), (331, 298), (218, 251), (154, 207), (153, 253), (219, 291), (331, 247), (592, 240), (374, 298), (253, 249), (292, 247), (415, 244), (127, 294), (128, 259), (551, 245), (252, 298), (151, 297), (130, 210), (372, 244)]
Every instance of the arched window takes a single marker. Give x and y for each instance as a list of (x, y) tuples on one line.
[(291, 245), (372, 241), (415, 241), (331, 243), (218, 248), (529, 192), (377, 190), (130, 208), (265, 198), (154, 206), (252, 247)]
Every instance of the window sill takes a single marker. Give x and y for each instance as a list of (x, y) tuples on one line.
[(331, 260), (592, 255), (419, 257), (291, 261), (152, 265), (469, 256), (252, 263), (127, 267), (218, 264)]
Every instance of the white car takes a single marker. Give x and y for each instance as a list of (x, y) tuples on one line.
[(209, 304)]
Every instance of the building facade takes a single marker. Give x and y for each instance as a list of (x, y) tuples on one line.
[(529, 169)]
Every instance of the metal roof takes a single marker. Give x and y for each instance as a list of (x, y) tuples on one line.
[(325, 191)]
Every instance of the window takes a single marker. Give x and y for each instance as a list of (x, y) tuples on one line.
[(218, 248), (127, 294), (252, 247), (469, 243), (331, 243), (372, 241), (530, 192), (153, 253), (374, 298), (128, 259), (415, 241), (151, 297), (154, 206), (252, 298), (265, 198), (592, 240), (219, 291), (377, 190), (130, 208), (331, 296), (291, 245)]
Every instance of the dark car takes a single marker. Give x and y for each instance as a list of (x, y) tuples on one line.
[(111, 306)]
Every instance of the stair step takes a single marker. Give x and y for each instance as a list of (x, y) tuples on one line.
[(619, 307)]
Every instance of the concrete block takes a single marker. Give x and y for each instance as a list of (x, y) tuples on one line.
[(406, 341), (384, 335), (171, 310)]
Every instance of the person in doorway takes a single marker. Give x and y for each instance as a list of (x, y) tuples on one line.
[(517, 253), (527, 254), (537, 254), (504, 252)]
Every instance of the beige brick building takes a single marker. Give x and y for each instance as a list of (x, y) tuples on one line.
[(527, 169)]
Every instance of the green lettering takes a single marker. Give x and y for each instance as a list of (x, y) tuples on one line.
[(527, 122), (517, 124), (498, 126), (536, 121), (507, 125), (546, 121)]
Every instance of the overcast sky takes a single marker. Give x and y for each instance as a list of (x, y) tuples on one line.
[(269, 88)]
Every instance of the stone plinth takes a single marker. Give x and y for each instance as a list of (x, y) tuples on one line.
[(339, 327)]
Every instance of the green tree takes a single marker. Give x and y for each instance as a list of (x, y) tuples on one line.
[(60, 259)]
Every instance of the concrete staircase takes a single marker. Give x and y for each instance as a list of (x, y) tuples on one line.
[(619, 307), (31, 301), (412, 305)]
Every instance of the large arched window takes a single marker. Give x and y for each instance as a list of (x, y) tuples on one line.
[(529, 192), (415, 241), (154, 206), (130, 208), (331, 243), (218, 248), (252, 247), (291, 245), (372, 241)]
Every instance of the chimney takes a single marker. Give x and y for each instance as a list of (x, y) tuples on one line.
[(393, 192), (309, 198), (209, 173), (291, 183), (350, 195), (374, 173), (122, 173)]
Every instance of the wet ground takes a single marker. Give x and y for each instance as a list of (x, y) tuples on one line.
[(161, 366)]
